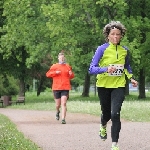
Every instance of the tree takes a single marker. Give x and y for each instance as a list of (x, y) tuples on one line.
[(24, 37), (139, 21), (35, 29)]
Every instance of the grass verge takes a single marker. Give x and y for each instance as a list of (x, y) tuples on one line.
[(11, 138)]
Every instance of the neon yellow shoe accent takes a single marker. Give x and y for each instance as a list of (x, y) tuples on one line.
[(103, 133), (115, 147)]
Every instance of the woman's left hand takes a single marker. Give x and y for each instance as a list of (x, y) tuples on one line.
[(70, 72), (134, 83)]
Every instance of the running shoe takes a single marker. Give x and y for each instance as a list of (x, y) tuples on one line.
[(57, 115), (103, 133), (115, 147), (63, 121)]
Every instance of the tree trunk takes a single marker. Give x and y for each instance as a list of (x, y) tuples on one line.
[(86, 85), (21, 87), (41, 81), (22, 72), (142, 84)]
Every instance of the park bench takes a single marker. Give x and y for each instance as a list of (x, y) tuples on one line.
[(20, 99)]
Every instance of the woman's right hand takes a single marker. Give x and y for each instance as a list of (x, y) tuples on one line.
[(111, 69), (58, 72)]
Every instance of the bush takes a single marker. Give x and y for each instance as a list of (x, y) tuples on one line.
[(48, 90), (8, 86)]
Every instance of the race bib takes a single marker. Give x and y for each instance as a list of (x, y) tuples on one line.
[(119, 70)]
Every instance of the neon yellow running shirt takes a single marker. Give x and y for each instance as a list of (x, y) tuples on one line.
[(109, 54)]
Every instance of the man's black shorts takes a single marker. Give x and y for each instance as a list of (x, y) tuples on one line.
[(59, 93)]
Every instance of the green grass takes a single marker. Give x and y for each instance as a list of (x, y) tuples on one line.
[(11, 138), (136, 111), (133, 109)]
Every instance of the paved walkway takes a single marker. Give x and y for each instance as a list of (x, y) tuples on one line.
[(80, 132)]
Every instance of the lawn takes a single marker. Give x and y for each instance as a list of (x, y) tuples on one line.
[(11, 138), (133, 109)]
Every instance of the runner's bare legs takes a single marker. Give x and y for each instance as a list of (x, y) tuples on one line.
[(63, 105), (57, 104)]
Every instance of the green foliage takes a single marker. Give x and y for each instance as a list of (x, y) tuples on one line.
[(48, 90), (8, 86), (27, 29), (11, 138), (25, 40), (34, 32)]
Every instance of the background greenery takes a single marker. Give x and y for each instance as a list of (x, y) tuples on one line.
[(32, 33)]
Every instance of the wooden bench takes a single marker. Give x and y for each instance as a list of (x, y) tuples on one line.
[(20, 99)]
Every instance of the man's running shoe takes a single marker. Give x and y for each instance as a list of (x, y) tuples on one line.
[(63, 121), (57, 115), (103, 133), (115, 147)]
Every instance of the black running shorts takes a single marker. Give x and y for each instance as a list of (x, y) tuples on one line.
[(59, 93)]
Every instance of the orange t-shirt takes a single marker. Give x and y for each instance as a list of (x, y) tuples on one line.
[(61, 81)]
